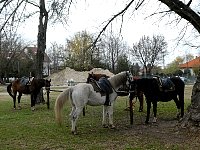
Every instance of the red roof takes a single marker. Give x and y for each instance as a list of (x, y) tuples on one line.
[(191, 64)]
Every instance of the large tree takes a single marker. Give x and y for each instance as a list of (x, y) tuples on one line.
[(79, 54), (149, 51), (15, 12), (57, 54), (114, 47)]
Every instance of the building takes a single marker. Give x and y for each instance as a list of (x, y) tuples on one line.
[(191, 65)]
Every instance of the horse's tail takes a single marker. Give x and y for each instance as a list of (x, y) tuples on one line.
[(60, 101), (9, 90)]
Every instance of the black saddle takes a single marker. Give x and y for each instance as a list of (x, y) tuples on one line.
[(165, 84), (103, 86), (168, 85)]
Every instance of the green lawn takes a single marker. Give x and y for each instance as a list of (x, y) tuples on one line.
[(24, 129)]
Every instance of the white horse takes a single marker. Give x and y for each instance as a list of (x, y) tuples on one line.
[(83, 94)]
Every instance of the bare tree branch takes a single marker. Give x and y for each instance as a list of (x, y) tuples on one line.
[(184, 11), (115, 16), (12, 14)]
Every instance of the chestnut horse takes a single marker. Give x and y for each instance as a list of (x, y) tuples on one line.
[(95, 76), (21, 86)]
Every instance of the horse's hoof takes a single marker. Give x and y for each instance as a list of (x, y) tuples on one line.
[(19, 107), (74, 132), (105, 126), (180, 119), (33, 108), (111, 126), (154, 120), (178, 116)]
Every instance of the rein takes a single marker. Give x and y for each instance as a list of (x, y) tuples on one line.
[(56, 90)]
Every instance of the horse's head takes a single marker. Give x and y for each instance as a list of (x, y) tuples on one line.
[(47, 84), (123, 78), (90, 75), (138, 85), (134, 87)]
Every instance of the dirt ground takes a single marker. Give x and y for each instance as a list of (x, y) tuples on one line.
[(168, 129)]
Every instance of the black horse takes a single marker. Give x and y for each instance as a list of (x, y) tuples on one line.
[(22, 86), (155, 90)]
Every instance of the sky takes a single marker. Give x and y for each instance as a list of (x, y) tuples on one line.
[(91, 15)]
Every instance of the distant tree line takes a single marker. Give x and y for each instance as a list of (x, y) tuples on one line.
[(110, 52)]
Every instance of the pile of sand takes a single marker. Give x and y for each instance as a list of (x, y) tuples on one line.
[(68, 74)]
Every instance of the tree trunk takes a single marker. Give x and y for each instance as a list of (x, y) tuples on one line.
[(41, 45), (192, 117)]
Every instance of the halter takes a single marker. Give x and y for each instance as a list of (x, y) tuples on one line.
[(129, 77)]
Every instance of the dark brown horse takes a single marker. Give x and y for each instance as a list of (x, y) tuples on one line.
[(23, 87)]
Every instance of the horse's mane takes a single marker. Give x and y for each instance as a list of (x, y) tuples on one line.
[(118, 78)]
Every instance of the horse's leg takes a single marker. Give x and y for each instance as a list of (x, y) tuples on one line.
[(14, 99), (19, 98), (182, 107), (178, 106), (105, 113), (148, 111), (74, 117), (154, 111), (72, 113), (141, 100), (33, 99), (110, 116), (181, 101)]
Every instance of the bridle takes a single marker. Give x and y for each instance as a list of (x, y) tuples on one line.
[(129, 77)]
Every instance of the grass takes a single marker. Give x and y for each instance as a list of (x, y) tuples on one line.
[(24, 129)]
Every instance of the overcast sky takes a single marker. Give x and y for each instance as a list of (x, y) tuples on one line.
[(90, 15)]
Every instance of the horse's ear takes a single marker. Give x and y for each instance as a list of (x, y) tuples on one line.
[(50, 80)]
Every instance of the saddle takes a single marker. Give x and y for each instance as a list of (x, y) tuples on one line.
[(24, 81), (165, 84), (102, 86)]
